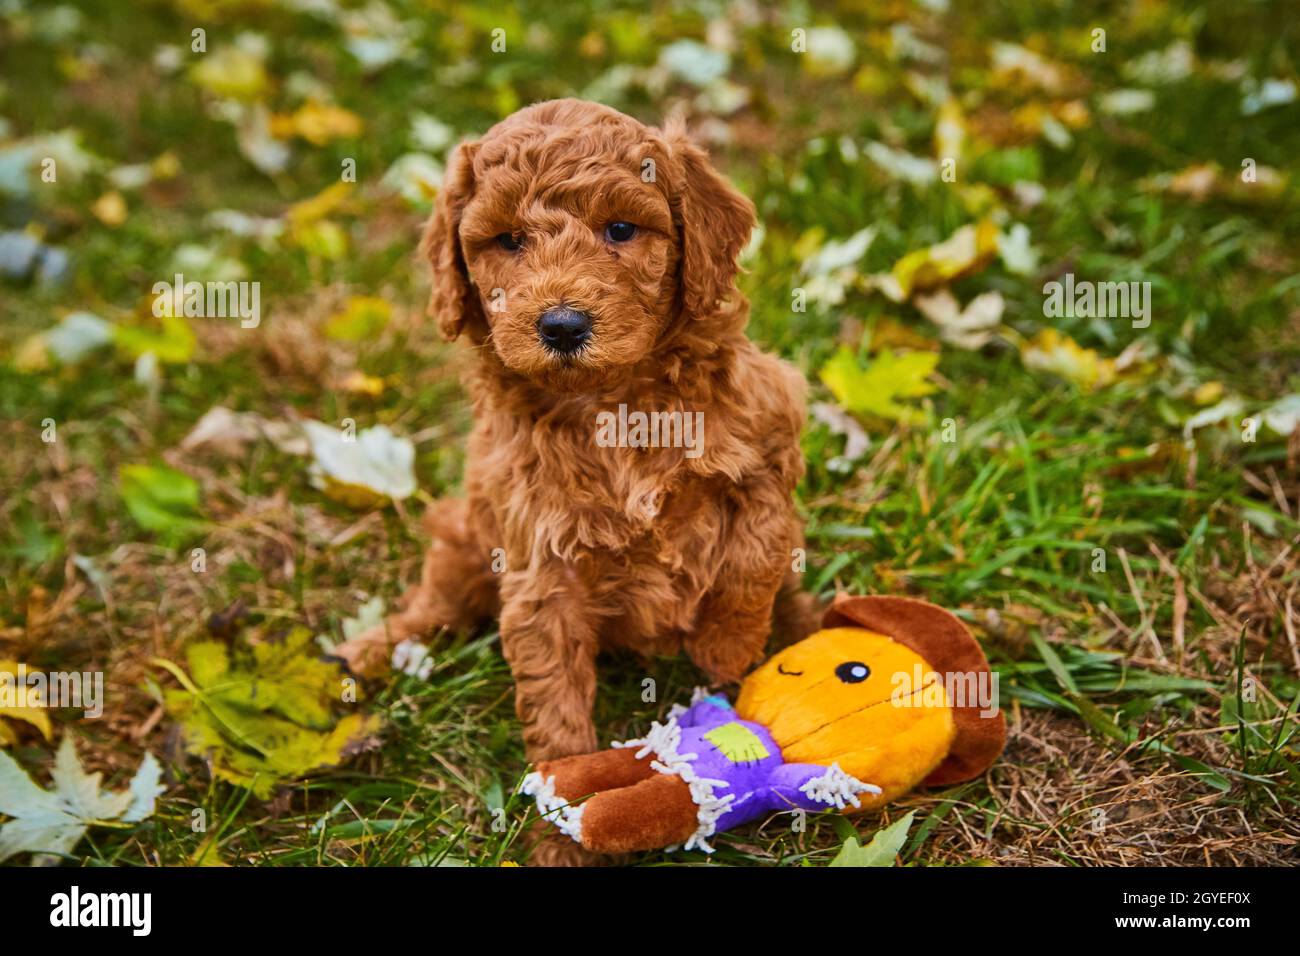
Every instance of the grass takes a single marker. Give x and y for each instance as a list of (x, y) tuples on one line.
[(1135, 590)]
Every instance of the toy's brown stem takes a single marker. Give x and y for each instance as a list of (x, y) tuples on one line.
[(633, 807)]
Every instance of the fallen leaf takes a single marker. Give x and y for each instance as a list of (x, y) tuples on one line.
[(78, 335), (317, 123), (361, 319), (966, 251), (326, 202), (1209, 181), (840, 422), (231, 72), (1159, 67), (363, 469), (358, 382), (691, 62), (54, 821), (229, 433), (1283, 416), (1257, 96), (968, 328), (1126, 102), (837, 254), (110, 208), (881, 851), (256, 142), (168, 337), (160, 499), (416, 177), (1057, 353), (1012, 60), (31, 709), (830, 50), (902, 165), (263, 714), (877, 389)]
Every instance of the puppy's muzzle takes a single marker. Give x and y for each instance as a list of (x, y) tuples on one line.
[(563, 330)]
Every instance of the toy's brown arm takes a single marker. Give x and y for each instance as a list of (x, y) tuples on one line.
[(649, 815), (582, 775), (630, 806)]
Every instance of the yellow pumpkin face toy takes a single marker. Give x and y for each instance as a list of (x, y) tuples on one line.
[(891, 693)]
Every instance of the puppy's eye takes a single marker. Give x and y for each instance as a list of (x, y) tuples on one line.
[(510, 242), (853, 672), (620, 231)]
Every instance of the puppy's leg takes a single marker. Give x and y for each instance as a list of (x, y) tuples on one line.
[(796, 613), (735, 619), (549, 638), (457, 587)]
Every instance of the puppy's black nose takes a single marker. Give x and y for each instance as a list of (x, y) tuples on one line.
[(564, 330)]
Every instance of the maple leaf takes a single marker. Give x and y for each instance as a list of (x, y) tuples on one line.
[(54, 821), (876, 389), (265, 714)]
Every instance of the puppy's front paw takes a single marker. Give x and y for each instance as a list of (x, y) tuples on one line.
[(558, 850), (369, 654)]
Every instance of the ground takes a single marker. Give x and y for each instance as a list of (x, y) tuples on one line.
[(1109, 501)]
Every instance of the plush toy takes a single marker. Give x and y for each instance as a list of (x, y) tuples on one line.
[(891, 693)]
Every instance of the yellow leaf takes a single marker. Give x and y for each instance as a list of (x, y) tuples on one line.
[(325, 239), (949, 131), (166, 165), (877, 389), (313, 210), (1254, 183), (31, 711), (967, 250), (358, 382), (317, 123), (362, 318), (32, 355), (264, 713), (1057, 353), (231, 73), (110, 208), (1208, 393)]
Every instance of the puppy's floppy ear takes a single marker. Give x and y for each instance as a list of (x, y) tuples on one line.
[(453, 301), (714, 220)]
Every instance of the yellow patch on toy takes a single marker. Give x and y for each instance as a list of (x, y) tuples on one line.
[(737, 743)]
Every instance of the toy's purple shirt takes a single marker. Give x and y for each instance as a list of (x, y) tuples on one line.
[(735, 769)]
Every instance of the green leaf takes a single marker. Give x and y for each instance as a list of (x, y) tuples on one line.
[(160, 499), (877, 389), (363, 318), (171, 340), (883, 848), (264, 714)]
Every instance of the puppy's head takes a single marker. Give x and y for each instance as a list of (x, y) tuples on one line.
[(571, 237)]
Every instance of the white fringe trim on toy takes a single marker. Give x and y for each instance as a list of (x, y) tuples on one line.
[(566, 816), (676, 710), (662, 740), (835, 788)]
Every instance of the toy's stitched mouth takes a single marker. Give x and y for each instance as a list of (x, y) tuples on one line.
[(780, 669), (828, 723)]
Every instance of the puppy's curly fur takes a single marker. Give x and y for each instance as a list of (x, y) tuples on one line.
[(596, 547)]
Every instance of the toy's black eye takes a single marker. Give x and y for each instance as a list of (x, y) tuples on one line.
[(510, 242), (620, 231), (853, 672)]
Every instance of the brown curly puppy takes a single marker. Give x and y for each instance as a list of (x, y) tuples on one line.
[(591, 261)]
